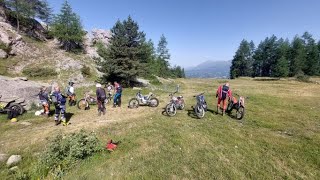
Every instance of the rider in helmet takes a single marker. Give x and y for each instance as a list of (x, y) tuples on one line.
[(71, 94), (101, 97)]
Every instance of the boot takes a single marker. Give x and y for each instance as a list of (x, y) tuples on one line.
[(223, 112), (104, 112), (57, 122), (218, 110)]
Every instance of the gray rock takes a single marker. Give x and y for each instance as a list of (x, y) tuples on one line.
[(3, 54), (16, 88), (13, 160), (14, 168), (3, 158)]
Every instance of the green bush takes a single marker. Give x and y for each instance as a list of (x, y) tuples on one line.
[(64, 151), (39, 72), (85, 71), (302, 77)]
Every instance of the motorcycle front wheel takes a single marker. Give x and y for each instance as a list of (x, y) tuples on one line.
[(133, 103), (199, 110), (171, 109), (154, 102), (82, 104)]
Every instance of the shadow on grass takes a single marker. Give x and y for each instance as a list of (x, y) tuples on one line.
[(266, 79)]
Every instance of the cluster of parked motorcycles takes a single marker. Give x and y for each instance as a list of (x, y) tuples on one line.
[(176, 103)]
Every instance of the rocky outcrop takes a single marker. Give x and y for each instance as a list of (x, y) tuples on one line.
[(15, 87), (96, 36)]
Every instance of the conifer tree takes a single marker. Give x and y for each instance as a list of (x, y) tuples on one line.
[(67, 28)]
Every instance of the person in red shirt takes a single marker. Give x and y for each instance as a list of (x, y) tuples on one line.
[(222, 94)]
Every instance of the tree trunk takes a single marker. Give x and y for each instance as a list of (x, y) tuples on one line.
[(18, 24)]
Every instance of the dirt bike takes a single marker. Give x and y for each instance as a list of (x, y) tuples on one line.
[(10, 104), (201, 106), (109, 98), (84, 103), (238, 105), (174, 104), (139, 100)]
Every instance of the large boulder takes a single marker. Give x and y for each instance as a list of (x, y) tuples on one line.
[(19, 87), (14, 160)]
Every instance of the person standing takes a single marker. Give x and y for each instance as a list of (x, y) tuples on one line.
[(44, 100), (118, 93), (222, 94), (59, 101), (71, 94), (101, 97)]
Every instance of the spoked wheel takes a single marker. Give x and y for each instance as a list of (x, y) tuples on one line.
[(199, 110), (82, 104), (133, 103), (171, 109), (240, 113), (154, 102), (17, 107)]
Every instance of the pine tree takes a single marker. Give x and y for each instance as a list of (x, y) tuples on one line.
[(297, 56), (23, 9), (312, 55), (122, 59), (67, 28), (280, 68), (242, 61), (44, 12), (163, 57)]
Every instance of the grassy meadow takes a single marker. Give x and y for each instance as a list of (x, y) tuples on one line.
[(279, 137)]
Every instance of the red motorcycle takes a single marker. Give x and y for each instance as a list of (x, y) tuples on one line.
[(174, 104)]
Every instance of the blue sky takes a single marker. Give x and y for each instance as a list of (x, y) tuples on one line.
[(201, 30)]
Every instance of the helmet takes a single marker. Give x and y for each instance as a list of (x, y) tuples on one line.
[(70, 83), (98, 85)]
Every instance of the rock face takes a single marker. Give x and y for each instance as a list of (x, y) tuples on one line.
[(13, 160), (15, 87), (97, 35)]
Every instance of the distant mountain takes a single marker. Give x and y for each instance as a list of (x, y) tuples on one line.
[(210, 69)]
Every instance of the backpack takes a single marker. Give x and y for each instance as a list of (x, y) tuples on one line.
[(54, 99), (103, 95), (224, 92)]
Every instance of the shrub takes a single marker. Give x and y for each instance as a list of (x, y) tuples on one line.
[(64, 151), (39, 72), (85, 71), (302, 77)]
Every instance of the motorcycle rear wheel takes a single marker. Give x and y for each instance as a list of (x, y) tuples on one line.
[(17, 107), (240, 113), (154, 102), (171, 109), (199, 110)]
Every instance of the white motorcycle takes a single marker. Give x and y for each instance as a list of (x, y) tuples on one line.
[(149, 100)]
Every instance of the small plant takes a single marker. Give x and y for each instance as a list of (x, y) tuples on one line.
[(302, 77), (65, 150), (4, 47), (85, 71), (39, 72)]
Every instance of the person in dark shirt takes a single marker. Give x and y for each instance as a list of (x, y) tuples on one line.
[(117, 96), (101, 97), (44, 100)]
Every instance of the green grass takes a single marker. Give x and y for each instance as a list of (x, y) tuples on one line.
[(279, 138)]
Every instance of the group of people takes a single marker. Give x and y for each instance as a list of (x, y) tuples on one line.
[(59, 99)]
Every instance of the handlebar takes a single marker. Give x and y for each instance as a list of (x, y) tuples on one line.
[(199, 94)]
